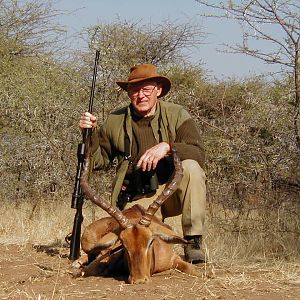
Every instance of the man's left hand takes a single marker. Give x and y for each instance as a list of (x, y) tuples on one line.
[(152, 156)]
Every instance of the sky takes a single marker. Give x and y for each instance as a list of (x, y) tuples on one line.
[(83, 13)]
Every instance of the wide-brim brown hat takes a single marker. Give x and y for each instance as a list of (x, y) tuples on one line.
[(146, 72)]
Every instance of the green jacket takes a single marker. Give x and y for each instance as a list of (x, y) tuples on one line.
[(108, 142)]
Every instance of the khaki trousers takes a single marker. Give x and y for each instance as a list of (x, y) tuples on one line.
[(189, 199)]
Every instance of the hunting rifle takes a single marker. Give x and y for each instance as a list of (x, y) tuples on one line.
[(78, 196)]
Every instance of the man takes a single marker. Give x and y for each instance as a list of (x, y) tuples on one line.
[(141, 137)]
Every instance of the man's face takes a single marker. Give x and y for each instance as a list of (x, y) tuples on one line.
[(143, 97)]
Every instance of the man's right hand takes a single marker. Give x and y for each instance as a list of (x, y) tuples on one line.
[(87, 120)]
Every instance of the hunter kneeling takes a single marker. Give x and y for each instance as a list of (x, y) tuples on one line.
[(141, 136)]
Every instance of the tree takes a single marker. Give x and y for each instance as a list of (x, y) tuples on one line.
[(30, 26), (277, 23)]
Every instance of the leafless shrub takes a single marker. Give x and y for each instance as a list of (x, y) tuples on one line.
[(31, 26)]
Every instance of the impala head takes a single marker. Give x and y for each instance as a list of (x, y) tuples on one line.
[(138, 246)]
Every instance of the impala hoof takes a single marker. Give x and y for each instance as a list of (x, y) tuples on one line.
[(77, 273)]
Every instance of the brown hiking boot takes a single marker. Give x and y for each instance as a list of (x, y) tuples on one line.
[(193, 252)]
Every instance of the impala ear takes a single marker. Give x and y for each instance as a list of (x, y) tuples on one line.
[(171, 239), (108, 240)]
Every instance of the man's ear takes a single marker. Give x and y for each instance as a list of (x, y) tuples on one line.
[(159, 89)]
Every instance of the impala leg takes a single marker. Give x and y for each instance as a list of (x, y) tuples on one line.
[(104, 264), (81, 261), (96, 267), (184, 266)]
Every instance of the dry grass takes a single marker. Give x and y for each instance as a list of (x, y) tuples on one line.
[(42, 221), (49, 221)]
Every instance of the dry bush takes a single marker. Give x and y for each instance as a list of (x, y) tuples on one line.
[(31, 27), (252, 163), (38, 105)]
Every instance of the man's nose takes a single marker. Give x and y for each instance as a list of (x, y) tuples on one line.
[(141, 93)]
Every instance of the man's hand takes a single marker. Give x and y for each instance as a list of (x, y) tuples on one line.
[(87, 120), (152, 156)]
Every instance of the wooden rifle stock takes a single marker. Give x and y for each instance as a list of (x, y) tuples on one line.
[(77, 196)]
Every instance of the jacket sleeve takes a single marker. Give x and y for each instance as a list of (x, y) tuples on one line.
[(101, 150), (188, 142)]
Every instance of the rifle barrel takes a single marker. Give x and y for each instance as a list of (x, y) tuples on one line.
[(78, 197)]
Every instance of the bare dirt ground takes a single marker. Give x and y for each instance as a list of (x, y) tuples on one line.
[(37, 272)]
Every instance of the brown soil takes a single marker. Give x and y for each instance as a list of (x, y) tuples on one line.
[(39, 272)]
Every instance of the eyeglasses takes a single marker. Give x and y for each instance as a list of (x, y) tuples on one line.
[(147, 91)]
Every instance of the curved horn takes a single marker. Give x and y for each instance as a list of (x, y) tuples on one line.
[(104, 204), (170, 188)]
